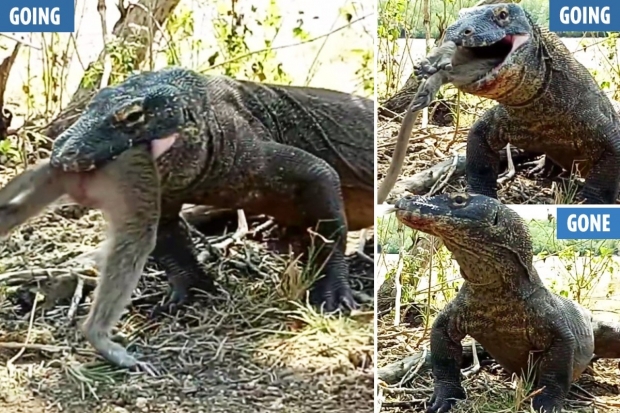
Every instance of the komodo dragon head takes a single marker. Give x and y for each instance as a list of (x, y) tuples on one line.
[(146, 107), (503, 31), (487, 238)]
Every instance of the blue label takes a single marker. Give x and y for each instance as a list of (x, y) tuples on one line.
[(588, 223), (584, 15), (37, 16)]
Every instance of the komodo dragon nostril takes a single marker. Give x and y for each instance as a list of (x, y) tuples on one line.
[(468, 32)]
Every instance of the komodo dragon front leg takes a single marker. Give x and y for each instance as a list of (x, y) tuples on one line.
[(301, 190), (446, 357), (175, 253)]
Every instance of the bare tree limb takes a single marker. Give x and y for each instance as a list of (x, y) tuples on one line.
[(5, 70), (133, 28)]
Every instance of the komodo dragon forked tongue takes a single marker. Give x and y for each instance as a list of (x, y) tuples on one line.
[(503, 304)]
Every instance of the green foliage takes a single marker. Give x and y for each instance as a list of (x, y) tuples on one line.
[(545, 243), (122, 54), (393, 236), (180, 30), (235, 56), (366, 71), (403, 18)]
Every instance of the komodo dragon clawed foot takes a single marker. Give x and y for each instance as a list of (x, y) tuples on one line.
[(445, 395), (175, 253), (334, 293)]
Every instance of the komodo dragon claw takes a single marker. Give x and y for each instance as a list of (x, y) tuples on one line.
[(444, 397), (334, 293)]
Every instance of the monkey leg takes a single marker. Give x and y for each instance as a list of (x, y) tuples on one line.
[(120, 274), (128, 193), (175, 252)]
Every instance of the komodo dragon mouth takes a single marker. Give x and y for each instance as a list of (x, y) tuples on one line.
[(505, 49)]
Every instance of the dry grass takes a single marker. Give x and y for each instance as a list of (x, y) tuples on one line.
[(491, 390), (435, 144), (248, 348)]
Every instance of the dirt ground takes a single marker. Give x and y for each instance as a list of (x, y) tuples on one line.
[(254, 347), (438, 143), (489, 391)]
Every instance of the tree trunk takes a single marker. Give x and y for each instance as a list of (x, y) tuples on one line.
[(5, 69), (137, 26), (394, 372)]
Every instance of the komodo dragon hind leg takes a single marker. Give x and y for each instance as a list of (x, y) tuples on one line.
[(482, 156), (601, 186), (606, 339)]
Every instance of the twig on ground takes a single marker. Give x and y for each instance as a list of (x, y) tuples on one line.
[(380, 398), (262, 226), (399, 288), (414, 370), (30, 275), (510, 173), (241, 232), (9, 364), (75, 301)]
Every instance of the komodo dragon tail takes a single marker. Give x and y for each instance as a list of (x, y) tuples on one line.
[(606, 339)]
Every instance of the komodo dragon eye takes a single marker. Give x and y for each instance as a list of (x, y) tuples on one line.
[(459, 200), (130, 115), (134, 117), (503, 15)]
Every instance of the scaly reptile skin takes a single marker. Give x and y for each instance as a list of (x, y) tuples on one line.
[(302, 155), (547, 103), (503, 304)]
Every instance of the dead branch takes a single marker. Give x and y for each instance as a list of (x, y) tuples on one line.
[(394, 372), (5, 70), (134, 28), (422, 182), (242, 230), (398, 286)]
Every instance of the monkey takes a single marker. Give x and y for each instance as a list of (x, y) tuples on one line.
[(446, 63), (127, 191)]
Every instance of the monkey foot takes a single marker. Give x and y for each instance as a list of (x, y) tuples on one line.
[(544, 168), (110, 350), (334, 293)]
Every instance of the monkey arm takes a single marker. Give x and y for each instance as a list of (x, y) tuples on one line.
[(26, 195)]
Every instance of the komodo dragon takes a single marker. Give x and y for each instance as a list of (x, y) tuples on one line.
[(295, 153), (547, 103), (503, 304)]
